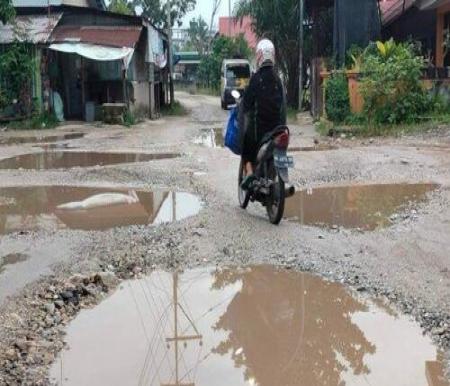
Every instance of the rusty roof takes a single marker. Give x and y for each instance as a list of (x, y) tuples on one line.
[(114, 36), (392, 9), (30, 28)]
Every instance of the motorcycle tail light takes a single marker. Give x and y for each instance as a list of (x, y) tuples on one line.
[(282, 140)]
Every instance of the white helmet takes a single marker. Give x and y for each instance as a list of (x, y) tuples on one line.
[(265, 53)]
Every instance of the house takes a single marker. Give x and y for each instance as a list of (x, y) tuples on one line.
[(425, 21), (186, 66), (232, 27), (89, 57)]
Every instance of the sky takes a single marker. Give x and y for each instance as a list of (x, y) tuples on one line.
[(204, 8)]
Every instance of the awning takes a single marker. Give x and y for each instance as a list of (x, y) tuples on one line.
[(96, 52), (34, 29)]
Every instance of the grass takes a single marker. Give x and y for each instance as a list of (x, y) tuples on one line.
[(176, 109), (36, 122), (291, 114), (358, 128)]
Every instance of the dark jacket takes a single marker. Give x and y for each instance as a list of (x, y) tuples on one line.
[(263, 108)]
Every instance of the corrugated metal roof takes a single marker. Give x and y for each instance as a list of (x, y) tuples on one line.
[(31, 28), (114, 36), (35, 3), (392, 9)]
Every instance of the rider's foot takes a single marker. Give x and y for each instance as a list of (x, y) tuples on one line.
[(247, 182)]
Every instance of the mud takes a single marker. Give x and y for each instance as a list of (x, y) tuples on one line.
[(323, 147), (71, 159), (211, 138), (60, 207), (249, 326), (18, 140), (366, 207), (11, 259)]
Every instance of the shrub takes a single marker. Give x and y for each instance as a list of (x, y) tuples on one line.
[(391, 84), (337, 100), (36, 122)]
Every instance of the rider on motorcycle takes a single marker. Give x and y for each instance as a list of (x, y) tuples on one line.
[(263, 106)]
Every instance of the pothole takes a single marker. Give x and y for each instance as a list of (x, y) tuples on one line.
[(53, 146), (71, 159), (253, 326), (323, 147), (366, 207), (210, 138), (11, 259), (17, 140), (85, 208)]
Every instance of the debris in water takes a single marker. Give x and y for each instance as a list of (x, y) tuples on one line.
[(87, 208), (258, 326), (367, 207)]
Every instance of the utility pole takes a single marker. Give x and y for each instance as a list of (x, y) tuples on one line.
[(301, 6), (177, 338), (169, 51)]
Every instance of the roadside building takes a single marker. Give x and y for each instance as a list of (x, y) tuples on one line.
[(426, 21), (88, 57), (186, 66), (233, 27)]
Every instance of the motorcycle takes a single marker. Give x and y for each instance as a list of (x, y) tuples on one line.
[(271, 172)]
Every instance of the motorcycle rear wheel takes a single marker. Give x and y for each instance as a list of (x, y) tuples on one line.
[(276, 201), (243, 195)]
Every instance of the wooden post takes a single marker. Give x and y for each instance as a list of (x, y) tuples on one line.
[(301, 5), (440, 19)]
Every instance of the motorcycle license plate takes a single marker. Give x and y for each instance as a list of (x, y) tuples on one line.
[(282, 160)]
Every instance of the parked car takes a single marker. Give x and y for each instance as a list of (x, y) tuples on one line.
[(235, 76)]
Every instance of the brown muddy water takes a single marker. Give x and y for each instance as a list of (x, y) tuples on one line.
[(253, 326), (366, 207), (71, 159), (312, 148), (35, 139), (12, 259), (210, 138), (61, 207)]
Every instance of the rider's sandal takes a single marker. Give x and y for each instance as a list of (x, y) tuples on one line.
[(247, 182)]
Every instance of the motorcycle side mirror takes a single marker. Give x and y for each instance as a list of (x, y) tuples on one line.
[(235, 94)]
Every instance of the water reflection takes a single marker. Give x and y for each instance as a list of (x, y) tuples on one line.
[(42, 207), (256, 326), (72, 159), (359, 206)]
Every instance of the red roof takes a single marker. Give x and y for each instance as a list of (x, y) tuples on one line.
[(114, 36), (233, 27)]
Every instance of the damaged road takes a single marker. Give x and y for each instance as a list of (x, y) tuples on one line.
[(402, 257)]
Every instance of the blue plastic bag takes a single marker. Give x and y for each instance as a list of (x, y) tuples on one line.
[(232, 135)]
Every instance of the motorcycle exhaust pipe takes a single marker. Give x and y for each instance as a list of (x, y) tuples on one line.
[(290, 191)]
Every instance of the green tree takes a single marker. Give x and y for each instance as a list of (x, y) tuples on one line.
[(156, 10), (7, 12), (198, 35), (121, 6), (278, 20), (222, 48)]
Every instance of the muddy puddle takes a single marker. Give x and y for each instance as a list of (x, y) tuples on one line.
[(210, 138), (71, 159), (59, 207), (366, 207), (255, 326), (11, 259), (36, 139), (323, 147)]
